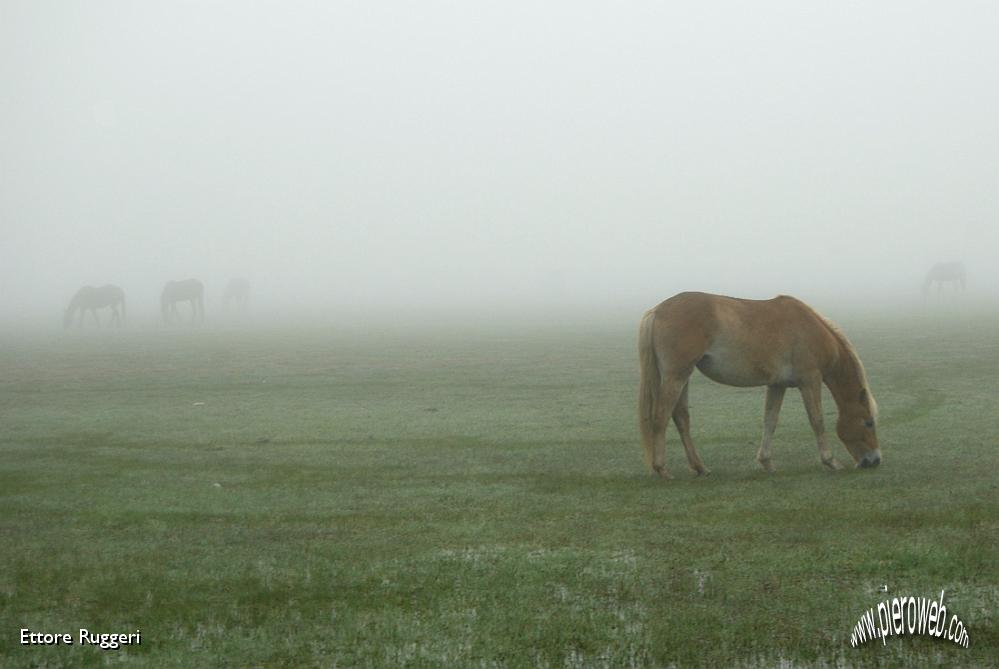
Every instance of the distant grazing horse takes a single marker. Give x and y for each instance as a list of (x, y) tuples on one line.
[(238, 292), (780, 343), (188, 290), (91, 299), (945, 272)]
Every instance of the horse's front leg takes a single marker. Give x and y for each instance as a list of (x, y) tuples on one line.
[(811, 394), (771, 410)]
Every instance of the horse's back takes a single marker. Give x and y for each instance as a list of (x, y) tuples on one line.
[(112, 293), (947, 270), (182, 290), (709, 312)]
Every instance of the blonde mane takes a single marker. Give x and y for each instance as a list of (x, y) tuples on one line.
[(853, 360)]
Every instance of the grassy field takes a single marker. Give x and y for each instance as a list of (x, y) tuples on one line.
[(345, 498)]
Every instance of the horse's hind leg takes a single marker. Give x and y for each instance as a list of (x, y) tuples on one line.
[(775, 397), (811, 394), (681, 416), (669, 393)]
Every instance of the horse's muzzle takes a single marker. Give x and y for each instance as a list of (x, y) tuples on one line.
[(870, 459)]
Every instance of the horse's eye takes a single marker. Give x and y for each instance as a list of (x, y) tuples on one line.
[(869, 423)]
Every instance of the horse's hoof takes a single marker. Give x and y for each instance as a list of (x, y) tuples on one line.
[(703, 471), (663, 472), (832, 464), (767, 466)]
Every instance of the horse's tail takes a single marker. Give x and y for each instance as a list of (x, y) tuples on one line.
[(649, 383)]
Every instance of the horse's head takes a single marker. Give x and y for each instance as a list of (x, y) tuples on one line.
[(857, 429)]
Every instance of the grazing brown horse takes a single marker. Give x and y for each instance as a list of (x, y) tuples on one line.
[(237, 291), (188, 290), (91, 299), (945, 272), (780, 343)]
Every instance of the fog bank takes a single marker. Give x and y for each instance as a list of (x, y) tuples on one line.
[(457, 156)]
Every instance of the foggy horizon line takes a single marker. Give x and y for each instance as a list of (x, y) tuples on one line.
[(279, 315)]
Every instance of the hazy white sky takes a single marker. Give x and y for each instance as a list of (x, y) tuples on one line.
[(391, 153)]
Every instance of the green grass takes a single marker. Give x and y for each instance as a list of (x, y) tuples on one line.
[(478, 499)]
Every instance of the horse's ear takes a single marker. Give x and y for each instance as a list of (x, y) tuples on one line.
[(863, 396)]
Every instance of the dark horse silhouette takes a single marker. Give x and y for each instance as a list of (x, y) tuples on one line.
[(91, 299), (236, 292), (945, 272), (188, 290)]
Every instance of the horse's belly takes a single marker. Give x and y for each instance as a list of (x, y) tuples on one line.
[(735, 370)]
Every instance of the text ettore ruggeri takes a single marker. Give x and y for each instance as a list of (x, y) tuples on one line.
[(104, 641)]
